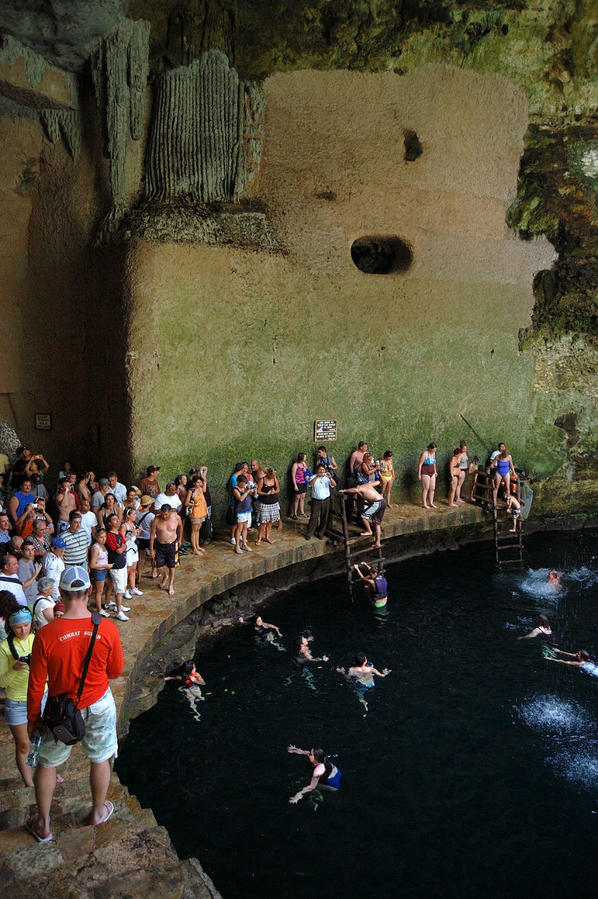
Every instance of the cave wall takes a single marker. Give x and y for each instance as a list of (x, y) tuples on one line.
[(234, 352)]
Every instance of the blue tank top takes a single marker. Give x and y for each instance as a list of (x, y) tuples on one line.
[(590, 668)]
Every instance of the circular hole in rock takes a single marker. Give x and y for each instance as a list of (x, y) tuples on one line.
[(381, 255)]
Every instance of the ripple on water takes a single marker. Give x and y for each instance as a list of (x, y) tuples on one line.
[(555, 715), (576, 766), (536, 584), (584, 576)]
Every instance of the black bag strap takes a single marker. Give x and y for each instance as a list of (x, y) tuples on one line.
[(142, 519), (10, 580), (11, 645), (96, 618)]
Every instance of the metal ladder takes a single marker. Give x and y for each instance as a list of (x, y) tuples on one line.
[(508, 546), (342, 533)]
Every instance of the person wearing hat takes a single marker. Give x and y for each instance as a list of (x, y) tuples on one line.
[(145, 516), (53, 565), (15, 653), (58, 655), (97, 500)]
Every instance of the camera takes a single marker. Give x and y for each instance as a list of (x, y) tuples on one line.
[(26, 659)]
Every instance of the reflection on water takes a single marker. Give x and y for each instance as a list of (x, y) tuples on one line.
[(476, 754)]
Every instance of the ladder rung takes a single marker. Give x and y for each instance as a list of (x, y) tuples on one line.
[(367, 549)]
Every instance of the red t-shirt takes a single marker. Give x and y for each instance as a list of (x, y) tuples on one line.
[(58, 654)]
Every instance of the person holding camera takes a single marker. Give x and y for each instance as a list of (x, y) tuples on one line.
[(15, 655)]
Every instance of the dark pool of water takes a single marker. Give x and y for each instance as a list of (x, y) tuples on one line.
[(474, 770)]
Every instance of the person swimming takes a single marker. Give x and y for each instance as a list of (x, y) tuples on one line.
[(325, 773), (192, 681), (582, 660), (362, 674), (542, 629), (554, 579), (302, 651), (268, 632)]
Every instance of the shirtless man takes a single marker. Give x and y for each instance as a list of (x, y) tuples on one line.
[(362, 671), (373, 511), (165, 533)]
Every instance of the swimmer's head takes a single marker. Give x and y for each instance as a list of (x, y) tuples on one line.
[(553, 575), (307, 634), (583, 656), (542, 621), (317, 756), (189, 667), (360, 659), (259, 621)]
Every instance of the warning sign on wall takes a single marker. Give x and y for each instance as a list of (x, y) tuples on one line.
[(324, 430)]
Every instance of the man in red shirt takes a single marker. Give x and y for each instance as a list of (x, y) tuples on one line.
[(58, 655)]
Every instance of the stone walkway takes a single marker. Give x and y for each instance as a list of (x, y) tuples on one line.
[(131, 855)]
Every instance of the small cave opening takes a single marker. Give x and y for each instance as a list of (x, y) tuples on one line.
[(413, 147), (381, 255)]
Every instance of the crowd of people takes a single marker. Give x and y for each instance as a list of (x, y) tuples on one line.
[(82, 543)]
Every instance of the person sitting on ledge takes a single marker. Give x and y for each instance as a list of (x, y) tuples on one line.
[(373, 510)]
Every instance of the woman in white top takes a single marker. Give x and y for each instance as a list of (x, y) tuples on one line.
[(99, 566), (43, 607), (130, 532)]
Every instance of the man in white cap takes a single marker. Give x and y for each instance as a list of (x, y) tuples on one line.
[(58, 656)]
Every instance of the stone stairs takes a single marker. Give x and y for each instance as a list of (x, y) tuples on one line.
[(130, 855)]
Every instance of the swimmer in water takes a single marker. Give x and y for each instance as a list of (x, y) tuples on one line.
[(263, 627), (374, 584), (542, 629), (267, 631), (191, 686), (362, 675), (554, 579), (582, 660), (303, 652), (325, 774)]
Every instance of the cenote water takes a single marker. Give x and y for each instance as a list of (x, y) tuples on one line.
[(475, 767)]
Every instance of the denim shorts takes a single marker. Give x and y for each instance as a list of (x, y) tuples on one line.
[(15, 712), (100, 574), (100, 741)]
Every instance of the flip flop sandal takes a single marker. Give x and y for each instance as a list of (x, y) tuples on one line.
[(109, 806), (29, 827)]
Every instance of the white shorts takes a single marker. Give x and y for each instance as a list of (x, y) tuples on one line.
[(243, 517), (119, 579)]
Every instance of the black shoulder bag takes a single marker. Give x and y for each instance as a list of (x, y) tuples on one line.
[(62, 716)]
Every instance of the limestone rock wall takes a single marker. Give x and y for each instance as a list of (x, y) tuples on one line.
[(235, 352)]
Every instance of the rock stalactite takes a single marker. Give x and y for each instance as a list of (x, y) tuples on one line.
[(119, 65), (206, 137)]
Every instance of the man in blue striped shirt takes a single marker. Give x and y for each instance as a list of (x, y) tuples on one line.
[(77, 542)]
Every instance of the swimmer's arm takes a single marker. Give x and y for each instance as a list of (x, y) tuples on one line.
[(563, 661), (383, 673), (297, 751), (344, 673), (308, 789), (562, 652), (198, 679), (173, 677), (272, 627)]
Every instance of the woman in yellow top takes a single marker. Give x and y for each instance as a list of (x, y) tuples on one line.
[(387, 476), (14, 676), (197, 510)]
